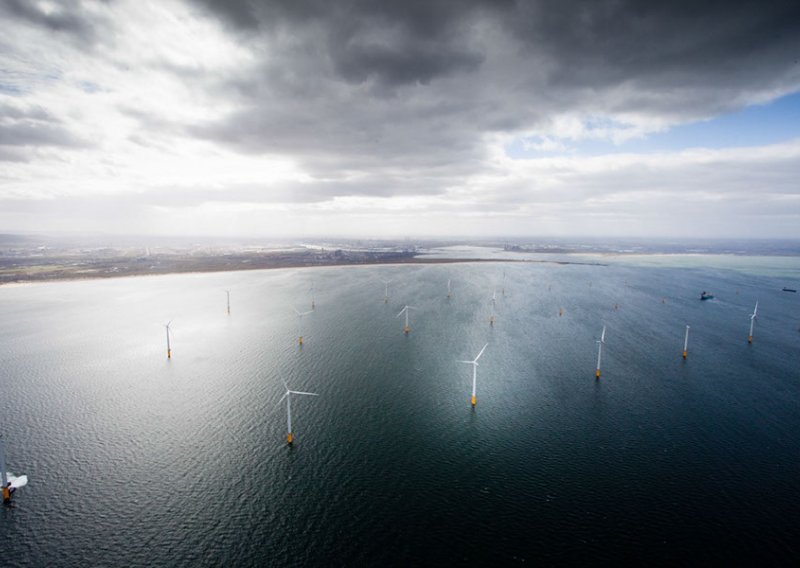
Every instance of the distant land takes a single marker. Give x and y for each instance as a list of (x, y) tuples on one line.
[(31, 258)]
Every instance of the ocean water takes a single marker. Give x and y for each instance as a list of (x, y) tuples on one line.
[(137, 460)]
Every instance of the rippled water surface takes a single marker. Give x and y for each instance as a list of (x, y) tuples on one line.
[(137, 460)]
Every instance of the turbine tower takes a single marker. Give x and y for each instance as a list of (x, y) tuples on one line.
[(449, 291), (686, 342), (288, 396), (169, 350), (228, 294), (600, 343), (474, 364), (406, 328), (300, 323), (753, 318), (386, 291)]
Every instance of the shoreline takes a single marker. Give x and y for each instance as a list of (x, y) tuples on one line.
[(62, 275)]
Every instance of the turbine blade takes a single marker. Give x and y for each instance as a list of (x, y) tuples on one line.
[(481, 353), (284, 384), (306, 393), (281, 400), (401, 312)]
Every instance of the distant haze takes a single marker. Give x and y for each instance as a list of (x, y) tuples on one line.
[(391, 119)]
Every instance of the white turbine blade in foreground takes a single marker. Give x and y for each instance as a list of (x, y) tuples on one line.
[(481, 353), (306, 393), (9, 482)]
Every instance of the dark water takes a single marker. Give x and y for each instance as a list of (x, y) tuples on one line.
[(138, 461)]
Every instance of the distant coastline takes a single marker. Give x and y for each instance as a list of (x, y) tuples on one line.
[(89, 267)]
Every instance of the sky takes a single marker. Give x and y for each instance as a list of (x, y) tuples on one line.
[(429, 118)]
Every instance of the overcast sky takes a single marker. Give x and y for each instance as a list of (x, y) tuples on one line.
[(408, 118)]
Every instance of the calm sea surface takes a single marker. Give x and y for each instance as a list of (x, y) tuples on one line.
[(137, 460)]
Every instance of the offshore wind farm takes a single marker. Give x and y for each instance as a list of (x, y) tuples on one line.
[(687, 459), (505, 283)]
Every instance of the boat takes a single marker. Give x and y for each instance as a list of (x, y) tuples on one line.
[(785, 289), (706, 295)]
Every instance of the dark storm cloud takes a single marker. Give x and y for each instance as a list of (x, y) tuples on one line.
[(422, 82), (67, 17)]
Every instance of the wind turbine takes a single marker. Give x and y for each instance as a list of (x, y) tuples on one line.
[(504, 283), (686, 342), (312, 295), (474, 364), (288, 396), (9, 482), (449, 291), (228, 293), (407, 327), (299, 323), (600, 343), (386, 291), (169, 351), (753, 318)]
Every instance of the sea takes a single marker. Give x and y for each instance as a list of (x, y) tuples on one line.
[(135, 459)]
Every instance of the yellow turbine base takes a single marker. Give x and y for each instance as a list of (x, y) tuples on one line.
[(169, 354), (474, 400), (749, 339), (597, 373), (289, 438), (684, 354), (6, 495), (560, 312), (406, 329), (386, 300), (300, 340)]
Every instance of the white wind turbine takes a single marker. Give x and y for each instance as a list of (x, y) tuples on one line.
[(753, 318), (9, 482), (312, 295), (474, 364), (288, 396), (406, 328), (386, 291), (228, 294), (169, 351), (300, 324), (449, 291), (686, 342), (600, 343)]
